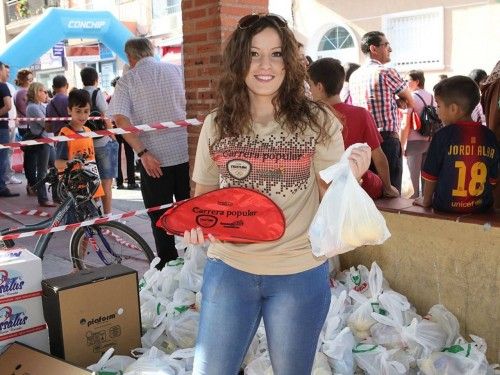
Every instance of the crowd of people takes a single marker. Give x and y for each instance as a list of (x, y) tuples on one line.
[(271, 99), (377, 106), (30, 99)]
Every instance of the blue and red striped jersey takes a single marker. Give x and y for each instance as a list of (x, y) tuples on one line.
[(463, 160)]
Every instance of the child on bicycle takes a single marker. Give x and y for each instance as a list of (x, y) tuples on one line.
[(79, 111)]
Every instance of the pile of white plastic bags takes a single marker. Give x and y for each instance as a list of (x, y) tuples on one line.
[(370, 329)]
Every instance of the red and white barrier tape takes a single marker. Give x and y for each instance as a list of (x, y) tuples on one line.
[(98, 220), (119, 240), (98, 133), (51, 118), (26, 213)]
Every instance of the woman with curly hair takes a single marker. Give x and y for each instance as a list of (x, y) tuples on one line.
[(268, 136)]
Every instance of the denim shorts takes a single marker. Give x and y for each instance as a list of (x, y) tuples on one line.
[(106, 158)]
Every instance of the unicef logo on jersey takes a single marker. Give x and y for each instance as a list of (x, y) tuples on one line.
[(239, 169), (12, 317), (10, 284)]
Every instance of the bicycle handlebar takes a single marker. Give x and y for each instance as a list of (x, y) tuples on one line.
[(69, 181), (53, 172)]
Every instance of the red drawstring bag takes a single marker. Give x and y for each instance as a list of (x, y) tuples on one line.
[(230, 214)]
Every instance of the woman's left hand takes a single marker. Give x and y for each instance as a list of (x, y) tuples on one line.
[(359, 160)]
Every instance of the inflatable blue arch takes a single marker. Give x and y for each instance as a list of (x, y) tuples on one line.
[(57, 24)]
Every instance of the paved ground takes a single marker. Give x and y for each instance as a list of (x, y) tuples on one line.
[(56, 260)]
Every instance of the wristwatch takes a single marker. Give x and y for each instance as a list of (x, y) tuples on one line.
[(139, 154)]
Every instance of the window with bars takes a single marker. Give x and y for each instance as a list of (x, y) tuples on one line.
[(417, 38), (336, 38), (165, 7)]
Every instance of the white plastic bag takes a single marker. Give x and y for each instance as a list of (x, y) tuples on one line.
[(361, 319), (252, 352), (356, 278), (155, 362), (429, 335), (184, 297), (377, 360), (260, 366), (112, 364), (447, 321), (388, 330), (185, 356), (347, 217), (150, 278), (407, 189), (339, 352), (183, 329), (148, 311), (155, 337), (191, 275), (462, 358), (170, 278), (320, 365)]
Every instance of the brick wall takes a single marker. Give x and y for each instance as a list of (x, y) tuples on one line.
[(206, 25)]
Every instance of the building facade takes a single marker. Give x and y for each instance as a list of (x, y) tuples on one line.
[(440, 37), (159, 20)]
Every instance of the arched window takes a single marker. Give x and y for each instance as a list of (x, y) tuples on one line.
[(336, 38)]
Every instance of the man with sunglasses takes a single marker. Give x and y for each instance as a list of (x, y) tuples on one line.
[(375, 87)]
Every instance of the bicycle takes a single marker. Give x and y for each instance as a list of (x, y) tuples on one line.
[(90, 246)]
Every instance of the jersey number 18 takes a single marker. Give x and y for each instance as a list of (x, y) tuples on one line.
[(478, 174)]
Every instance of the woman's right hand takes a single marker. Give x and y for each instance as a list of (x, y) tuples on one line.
[(195, 236)]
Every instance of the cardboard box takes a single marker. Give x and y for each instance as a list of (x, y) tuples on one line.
[(90, 311), (20, 273), (19, 359)]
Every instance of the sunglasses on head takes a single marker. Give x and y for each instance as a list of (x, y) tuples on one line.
[(252, 19)]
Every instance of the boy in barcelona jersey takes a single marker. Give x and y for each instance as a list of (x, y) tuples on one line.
[(462, 162)]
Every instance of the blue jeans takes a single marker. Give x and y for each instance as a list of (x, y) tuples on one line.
[(294, 308), (4, 158), (36, 164)]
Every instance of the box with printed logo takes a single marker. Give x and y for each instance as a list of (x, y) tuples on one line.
[(21, 319), (20, 273), (91, 311), (21, 312)]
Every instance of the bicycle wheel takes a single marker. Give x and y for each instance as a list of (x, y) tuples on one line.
[(107, 243)]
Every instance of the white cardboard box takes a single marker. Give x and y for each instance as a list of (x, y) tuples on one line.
[(21, 311), (20, 273), (22, 320), (38, 339)]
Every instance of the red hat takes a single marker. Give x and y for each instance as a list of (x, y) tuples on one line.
[(229, 214)]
